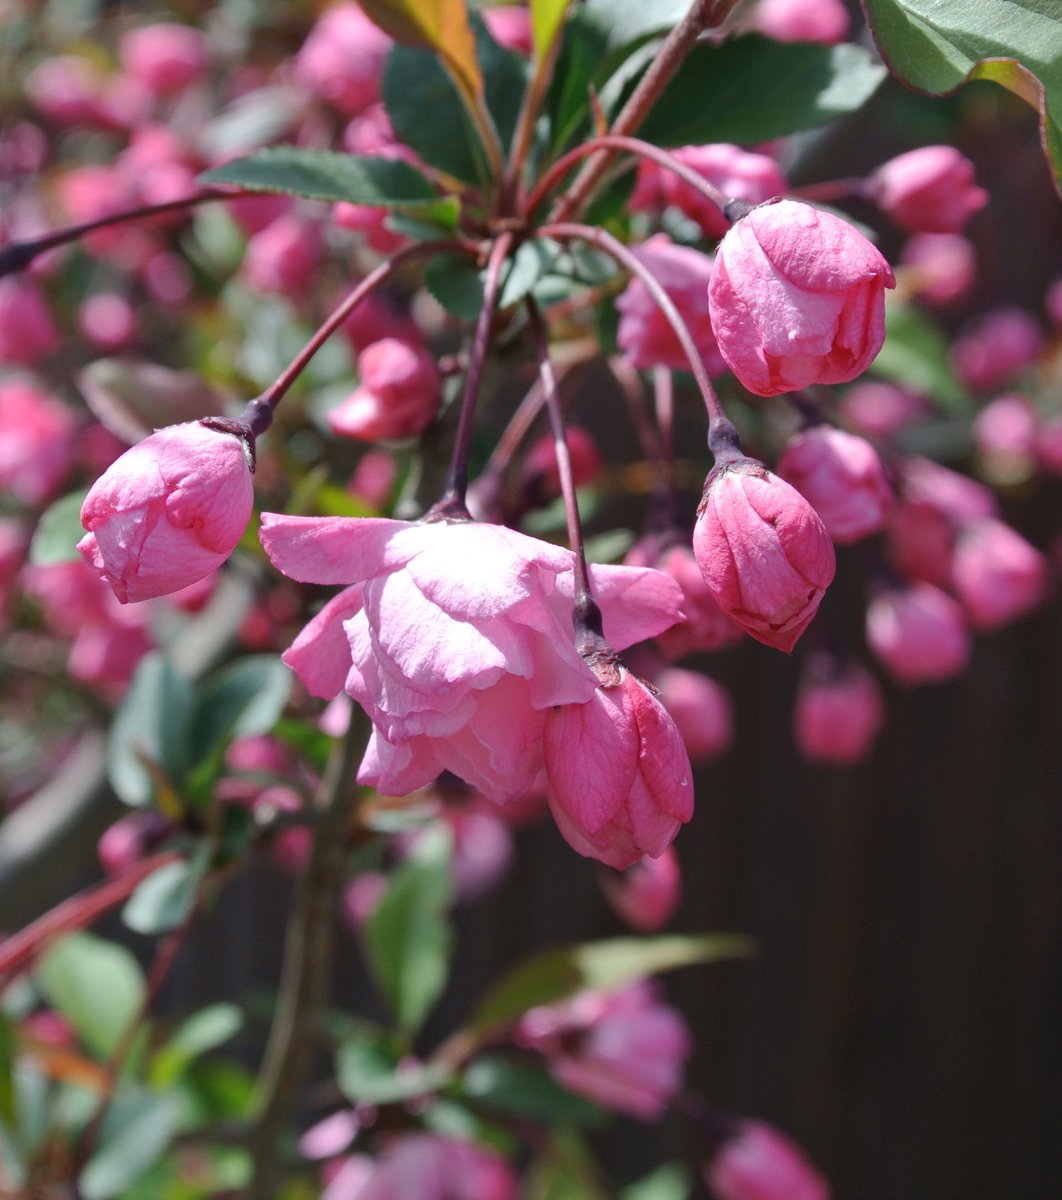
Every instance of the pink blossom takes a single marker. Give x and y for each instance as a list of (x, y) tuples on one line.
[(841, 477), (823, 21), (283, 257), (169, 511), (14, 540), (700, 709), (759, 1163), (483, 848), (108, 320), (361, 896), (764, 552), (647, 894), (1006, 434), (371, 223), (839, 712), (739, 174), (997, 348), (255, 213), (374, 478), (942, 267), (167, 278), (455, 637), (426, 1166), (921, 540), (624, 1049), (918, 634), (618, 777), (27, 331), (510, 26), (342, 59), (69, 91), (123, 844), (797, 297), (372, 133), (159, 167), (930, 190), (540, 471), (957, 496), (378, 317), (878, 409), (165, 57), (37, 446), (996, 574), (398, 397), (645, 336)]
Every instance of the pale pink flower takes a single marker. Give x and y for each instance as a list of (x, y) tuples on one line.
[(165, 58), (108, 320), (169, 511), (624, 1050), (27, 330), (700, 709), (996, 574), (996, 348), (841, 477), (763, 550), (839, 711), (342, 59), (618, 777), (455, 637), (510, 26), (918, 634), (1006, 432), (645, 335), (759, 1163), (823, 21), (957, 496), (797, 296), (941, 267), (646, 894), (398, 396), (374, 477), (69, 91), (738, 174), (283, 257), (37, 444), (930, 190), (878, 409), (425, 1166)]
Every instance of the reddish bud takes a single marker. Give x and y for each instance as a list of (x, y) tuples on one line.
[(166, 57), (940, 267), (700, 709), (646, 895), (37, 446), (996, 348), (759, 1163), (839, 712), (342, 59), (878, 409), (918, 634), (27, 331), (997, 575), (930, 190), (822, 21), (398, 397)]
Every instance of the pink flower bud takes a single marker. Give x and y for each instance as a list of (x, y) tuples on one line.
[(374, 478), (957, 496), (797, 297), (931, 190), (918, 634), (839, 712), (372, 133), (125, 843), (763, 551), (510, 26), (342, 59), (68, 90), (283, 257), (700, 709), (645, 336), (398, 397), (647, 894), (27, 331), (878, 409), (760, 1163), (371, 223), (1006, 432), (738, 173), (169, 511), (37, 445), (996, 348), (360, 898), (921, 540), (540, 467), (618, 778), (823, 21), (108, 320), (378, 317), (939, 267), (164, 58), (997, 575), (841, 477)]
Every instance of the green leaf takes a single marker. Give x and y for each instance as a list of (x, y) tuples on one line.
[(164, 899), (915, 354), (935, 47), (8, 1107), (565, 1169), (152, 722), (368, 1071), (95, 984), (58, 532), (669, 1182), (750, 89), (526, 1091), (438, 25), (133, 1148), (457, 283), (531, 261), (244, 699), (606, 965), (202, 1031), (408, 936), (547, 16), (428, 115), (329, 175)]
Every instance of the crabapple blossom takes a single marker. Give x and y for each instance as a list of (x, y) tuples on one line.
[(342, 59), (398, 397), (510, 26), (823, 21), (994, 350), (917, 633), (169, 511), (540, 468), (797, 296), (878, 409), (700, 709), (645, 335), (283, 256), (164, 57), (108, 320), (618, 777), (928, 190), (759, 1163), (37, 447), (841, 477), (456, 639), (27, 331), (941, 267), (839, 711), (763, 551), (1006, 433), (996, 574), (646, 894), (123, 844), (427, 1166)]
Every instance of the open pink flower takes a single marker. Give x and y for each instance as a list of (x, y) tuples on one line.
[(797, 296), (455, 638)]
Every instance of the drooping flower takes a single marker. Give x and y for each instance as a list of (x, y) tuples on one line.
[(929, 190), (646, 894), (918, 634), (397, 398), (997, 575), (700, 709), (839, 711)]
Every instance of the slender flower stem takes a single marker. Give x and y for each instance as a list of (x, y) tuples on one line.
[(18, 255), (525, 121), (729, 206), (306, 976), (259, 412), (830, 189), (452, 502), (703, 14)]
